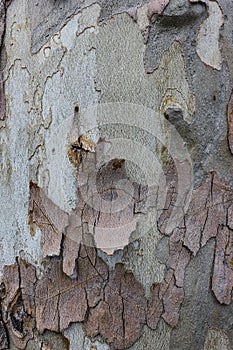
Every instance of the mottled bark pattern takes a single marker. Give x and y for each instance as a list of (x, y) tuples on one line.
[(76, 282), (113, 304)]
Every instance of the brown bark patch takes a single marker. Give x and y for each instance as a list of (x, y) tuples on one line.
[(155, 307), (4, 343), (207, 211), (61, 300), (120, 316), (17, 302), (172, 298), (171, 196), (222, 283), (113, 306), (50, 219)]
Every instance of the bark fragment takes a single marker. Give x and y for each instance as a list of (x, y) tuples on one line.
[(10, 281), (18, 302), (179, 257), (172, 299), (209, 212), (50, 219), (222, 283), (172, 191), (4, 344), (206, 212), (120, 316), (216, 206), (61, 300), (49, 290), (155, 307), (196, 217), (54, 287)]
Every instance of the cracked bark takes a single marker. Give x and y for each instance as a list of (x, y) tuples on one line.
[(52, 227), (4, 343), (112, 303), (77, 285)]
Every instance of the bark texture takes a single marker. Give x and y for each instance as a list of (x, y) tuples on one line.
[(116, 128)]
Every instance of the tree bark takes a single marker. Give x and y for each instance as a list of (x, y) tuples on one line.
[(116, 128)]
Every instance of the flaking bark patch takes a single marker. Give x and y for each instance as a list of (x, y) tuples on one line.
[(4, 343), (206, 212), (209, 216), (120, 316), (55, 300), (155, 307), (223, 271), (112, 304), (17, 304), (50, 219)]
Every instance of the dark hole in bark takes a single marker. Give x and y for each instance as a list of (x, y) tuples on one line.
[(17, 314), (2, 290), (76, 109)]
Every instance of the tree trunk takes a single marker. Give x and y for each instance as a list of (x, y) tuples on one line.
[(116, 129)]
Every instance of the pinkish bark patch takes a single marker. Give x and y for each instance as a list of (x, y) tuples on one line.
[(156, 7), (222, 282)]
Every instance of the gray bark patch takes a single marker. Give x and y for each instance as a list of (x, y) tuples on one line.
[(46, 17), (200, 310)]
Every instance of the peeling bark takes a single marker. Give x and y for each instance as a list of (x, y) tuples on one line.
[(56, 300), (119, 318), (174, 41), (172, 191), (51, 220), (155, 307), (103, 299), (172, 299), (223, 272), (4, 343), (115, 299)]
